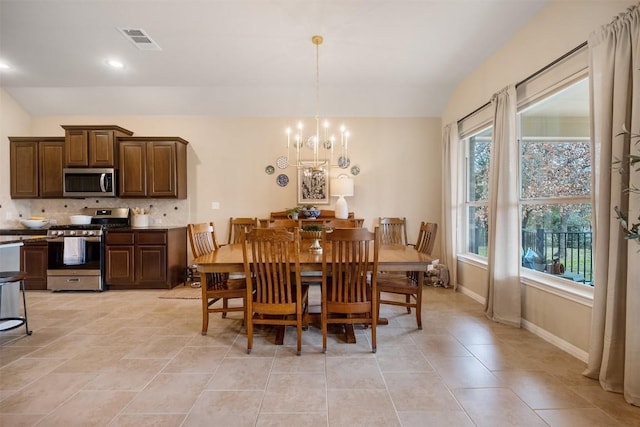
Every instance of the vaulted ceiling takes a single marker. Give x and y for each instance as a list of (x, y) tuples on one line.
[(380, 58)]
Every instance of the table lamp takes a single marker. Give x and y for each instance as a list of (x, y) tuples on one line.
[(342, 187)]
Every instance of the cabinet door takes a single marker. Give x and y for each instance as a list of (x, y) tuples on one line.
[(161, 169), (51, 165), (77, 147), (24, 169), (151, 265), (133, 177), (119, 265), (33, 261), (101, 148)]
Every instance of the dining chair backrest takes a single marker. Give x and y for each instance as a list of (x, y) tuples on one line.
[(202, 237), (343, 223), (288, 224), (238, 227), (427, 237), (349, 276), (349, 264), (393, 230), (274, 289)]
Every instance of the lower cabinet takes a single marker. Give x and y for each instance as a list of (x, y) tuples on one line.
[(145, 259), (33, 261)]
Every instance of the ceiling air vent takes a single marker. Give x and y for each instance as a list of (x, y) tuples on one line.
[(139, 38)]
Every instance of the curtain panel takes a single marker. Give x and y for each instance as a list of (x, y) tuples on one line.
[(451, 201), (503, 303), (614, 349)]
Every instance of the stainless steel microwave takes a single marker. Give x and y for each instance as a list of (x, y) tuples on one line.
[(89, 182)]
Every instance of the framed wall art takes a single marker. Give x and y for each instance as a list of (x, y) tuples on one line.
[(313, 186)]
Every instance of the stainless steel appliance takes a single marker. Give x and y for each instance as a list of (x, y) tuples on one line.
[(89, 182), (76, 252)]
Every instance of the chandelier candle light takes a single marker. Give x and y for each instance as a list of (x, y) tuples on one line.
[(320, 139)]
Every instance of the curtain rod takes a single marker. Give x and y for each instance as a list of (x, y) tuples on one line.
[(540, 71)]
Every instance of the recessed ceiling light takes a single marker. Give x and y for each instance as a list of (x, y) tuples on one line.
[(114, 63), (4, 66)]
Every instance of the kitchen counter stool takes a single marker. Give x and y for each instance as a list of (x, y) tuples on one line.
[(7, 278)]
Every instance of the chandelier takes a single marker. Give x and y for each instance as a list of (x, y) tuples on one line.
[(323, 142)]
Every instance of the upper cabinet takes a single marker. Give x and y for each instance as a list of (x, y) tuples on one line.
[(36, 165), (92, 146), (153, 167)]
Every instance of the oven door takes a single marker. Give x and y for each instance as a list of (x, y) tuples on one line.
[(75, 263)]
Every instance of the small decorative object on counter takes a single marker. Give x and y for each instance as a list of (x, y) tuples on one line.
[(139, 217), (314, 232), (292, 213), (310, 211)]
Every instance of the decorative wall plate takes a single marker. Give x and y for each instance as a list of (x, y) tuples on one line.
[(355, 170), (269, 170), (282, 180), (343, 162), (282, 162)]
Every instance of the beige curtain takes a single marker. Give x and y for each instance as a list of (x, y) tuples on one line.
[(614, 350), (450, 202), (503, 302)]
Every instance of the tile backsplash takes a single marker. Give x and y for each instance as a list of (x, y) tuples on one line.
[(161, 212)]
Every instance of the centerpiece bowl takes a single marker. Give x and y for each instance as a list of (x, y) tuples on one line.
[(311, 212)]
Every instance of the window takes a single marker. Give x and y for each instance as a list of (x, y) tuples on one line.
[(478, 152), (555, 184)]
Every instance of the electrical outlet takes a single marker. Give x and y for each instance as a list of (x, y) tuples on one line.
[(215, 205)]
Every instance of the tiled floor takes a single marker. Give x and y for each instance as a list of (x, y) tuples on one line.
[(130, 358)]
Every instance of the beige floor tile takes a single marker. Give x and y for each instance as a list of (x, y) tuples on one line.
[(402, 359), (94, 408), (241, 373), (362, 407), (45, 394), (459, 372), (286, 361), (420, 392), (168, 393), (501, 357), (540, 390), (352, 373), (158, 347), (19, 420), (196, 360), (584, 417), (297, 419), (24, 371), (225, 408), (299, 392), (434, 419), (155, 420), (611, 403), (440, 346), (127, 374), (496, 407)]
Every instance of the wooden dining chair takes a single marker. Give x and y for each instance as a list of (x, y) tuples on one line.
[(272, 265), (393, 230), (215, 286), (238, 227), (349, 276), (407, 284)]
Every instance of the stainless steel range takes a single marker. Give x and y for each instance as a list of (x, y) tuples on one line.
[(76, 251)]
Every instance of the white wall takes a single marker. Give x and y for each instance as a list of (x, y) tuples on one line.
[(399, 160), (558, 28)]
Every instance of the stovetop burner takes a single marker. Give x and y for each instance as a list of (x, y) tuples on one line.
[(101, 219)]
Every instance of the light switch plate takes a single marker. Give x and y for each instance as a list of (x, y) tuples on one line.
[(215, 205)]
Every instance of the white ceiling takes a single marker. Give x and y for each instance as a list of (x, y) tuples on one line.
[(380, 58)]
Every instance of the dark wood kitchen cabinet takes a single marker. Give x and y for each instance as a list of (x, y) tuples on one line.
[(34, 261), (92, 146), (145, 259), (154, 167), (36, 165)]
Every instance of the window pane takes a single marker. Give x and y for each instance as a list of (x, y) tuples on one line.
[(478, 169), (560, 232), (551, 168), (477, 230)]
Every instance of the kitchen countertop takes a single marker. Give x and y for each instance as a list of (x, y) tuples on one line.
[(23, 232), (9, 240)]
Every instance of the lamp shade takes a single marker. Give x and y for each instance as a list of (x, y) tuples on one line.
[(342, 187)]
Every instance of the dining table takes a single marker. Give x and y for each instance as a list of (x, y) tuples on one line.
[(391, 258)]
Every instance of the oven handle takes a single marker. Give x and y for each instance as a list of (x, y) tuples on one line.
[(87, 238)]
